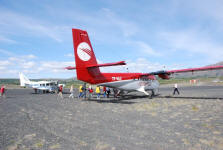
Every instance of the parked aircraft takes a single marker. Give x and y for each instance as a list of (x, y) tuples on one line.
[(88, 70), (38, 86)]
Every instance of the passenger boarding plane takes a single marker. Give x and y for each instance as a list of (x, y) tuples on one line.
[(88, 70), (40, 86)]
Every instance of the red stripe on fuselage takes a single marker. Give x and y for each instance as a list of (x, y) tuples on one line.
[(112, 77)]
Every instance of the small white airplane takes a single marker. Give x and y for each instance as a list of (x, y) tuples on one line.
[(38, 86)]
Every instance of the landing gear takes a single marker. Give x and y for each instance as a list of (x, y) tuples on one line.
[(152, 94), (35, 90)]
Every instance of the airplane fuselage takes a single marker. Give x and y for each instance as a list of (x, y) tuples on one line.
[(126, 81), (132, 84)]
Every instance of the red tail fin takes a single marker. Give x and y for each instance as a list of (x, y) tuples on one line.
[(84, 57)]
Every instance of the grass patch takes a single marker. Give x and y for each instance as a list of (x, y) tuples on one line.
[(187, 80), (55, 146), (39, 144), (195, 108)]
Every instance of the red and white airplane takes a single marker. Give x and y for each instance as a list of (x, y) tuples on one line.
[(88, 70)]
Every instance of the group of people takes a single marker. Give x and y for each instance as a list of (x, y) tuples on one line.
[(83, 91)]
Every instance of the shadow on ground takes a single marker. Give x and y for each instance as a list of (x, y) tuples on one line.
[(127, 99), (190, 97)]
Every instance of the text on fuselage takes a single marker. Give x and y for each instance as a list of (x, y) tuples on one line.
[(116, 78)]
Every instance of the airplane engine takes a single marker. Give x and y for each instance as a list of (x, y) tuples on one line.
[(164, 76)]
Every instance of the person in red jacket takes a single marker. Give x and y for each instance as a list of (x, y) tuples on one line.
[(2, 91), (60, 94), (104, 90), (90, 91)]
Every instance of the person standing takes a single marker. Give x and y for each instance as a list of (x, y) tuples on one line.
[(104, 91), (98, 92), (80, 91), (2, 90), (90, 91), (60, 94), (71, 91), (115, 91), (108, 91), (84, 89), (176, 89)]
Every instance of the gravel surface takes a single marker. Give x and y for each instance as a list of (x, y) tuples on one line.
[(193, 120)]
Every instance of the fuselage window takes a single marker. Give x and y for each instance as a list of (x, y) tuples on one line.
[(144, 79)]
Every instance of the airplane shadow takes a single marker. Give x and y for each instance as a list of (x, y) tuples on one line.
[(117, 101), (127, 99), (48, 93)]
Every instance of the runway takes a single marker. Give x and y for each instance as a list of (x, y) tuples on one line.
[(193, 120)]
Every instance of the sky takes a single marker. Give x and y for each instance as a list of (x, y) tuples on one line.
[(150, 35)]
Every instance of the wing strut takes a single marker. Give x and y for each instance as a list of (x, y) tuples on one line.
[(142, 89)]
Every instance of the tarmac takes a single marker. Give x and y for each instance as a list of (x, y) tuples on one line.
[(192, 120)]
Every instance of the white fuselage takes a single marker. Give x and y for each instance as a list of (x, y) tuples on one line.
[(49, 86), (133, 85)]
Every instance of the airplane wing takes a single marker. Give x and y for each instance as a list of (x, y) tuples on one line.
[(196, 69), (165, 74), (70, 68), (99, 65), (108, 64)]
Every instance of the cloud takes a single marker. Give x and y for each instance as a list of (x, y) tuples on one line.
[(146, 48), (195, 42), (127, 27), (143, 65), (104, 24), (6, 40), (2, 67), (208, 9), (29, 26), (30, 64), (5, 63), (140, 65), (56, 66), (69, 55), (30, 56), (6, 52), (19, 63)]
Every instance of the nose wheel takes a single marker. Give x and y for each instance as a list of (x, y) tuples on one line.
[(154, 93)]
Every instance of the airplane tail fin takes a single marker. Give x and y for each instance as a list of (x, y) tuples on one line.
[(84, 57), (23, 79)]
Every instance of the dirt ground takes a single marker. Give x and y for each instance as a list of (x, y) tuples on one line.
[(191, 121)]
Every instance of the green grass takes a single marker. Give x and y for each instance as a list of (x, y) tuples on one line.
[(9, 81), (77, 83), (187, 80)]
